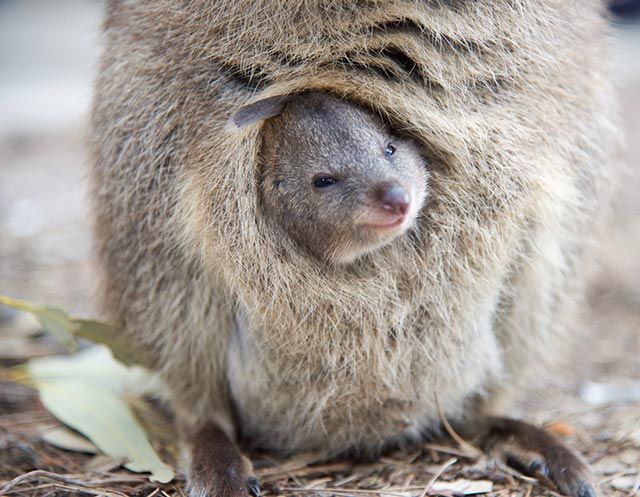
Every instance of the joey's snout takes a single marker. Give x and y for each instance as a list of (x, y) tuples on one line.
[(388, 206), (393, 197)]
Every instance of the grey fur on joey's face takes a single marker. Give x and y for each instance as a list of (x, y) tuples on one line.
[(336, 179)]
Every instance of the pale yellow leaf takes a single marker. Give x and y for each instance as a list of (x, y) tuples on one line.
[(105, 418), (63, 438), (464, 487), (87, 391)]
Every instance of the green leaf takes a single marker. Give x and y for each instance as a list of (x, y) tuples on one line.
[(87, 392), (66, 329), (111, 336), (52, 319)]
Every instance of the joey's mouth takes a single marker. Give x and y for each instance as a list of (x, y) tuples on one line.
[(384, 225), (381, 221)]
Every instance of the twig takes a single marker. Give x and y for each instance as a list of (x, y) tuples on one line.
[(626, 472), (636, 487), (512, 472), (34, 475), (408, 482), (282, 469), (89, 490), (473, 451), (629, 436), (446, 450), (342, 491), (441, 470), (75, 488)]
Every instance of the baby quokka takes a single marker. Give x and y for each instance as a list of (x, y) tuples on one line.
[(336, 179)]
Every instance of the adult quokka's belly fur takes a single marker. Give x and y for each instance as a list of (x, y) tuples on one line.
[(297, 403)]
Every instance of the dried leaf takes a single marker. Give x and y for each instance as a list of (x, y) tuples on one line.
[(111, 336), (87, 392), (561, 428), (465, 487), (107, 421), (63, 438), (625, 482)]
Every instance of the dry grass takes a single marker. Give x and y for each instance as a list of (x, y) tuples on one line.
[(30, 467)]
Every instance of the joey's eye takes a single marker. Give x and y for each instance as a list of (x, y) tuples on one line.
[(324, 181), (389, 150)]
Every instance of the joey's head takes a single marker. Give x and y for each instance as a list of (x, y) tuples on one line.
[(334, 176)]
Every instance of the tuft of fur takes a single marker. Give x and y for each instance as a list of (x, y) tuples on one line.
[(509, 100)]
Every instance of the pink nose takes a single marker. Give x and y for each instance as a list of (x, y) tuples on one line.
[(393, 197)]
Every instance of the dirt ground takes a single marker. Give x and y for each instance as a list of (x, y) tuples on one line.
[(45, 256)]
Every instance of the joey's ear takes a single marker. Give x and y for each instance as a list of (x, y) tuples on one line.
[(257, 111)]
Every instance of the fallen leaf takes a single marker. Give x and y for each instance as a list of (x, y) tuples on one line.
[(64, 438), (107, 421), (96, 366), (560, 428), (66, 329), (87, 391), (625, 482), (465, 487), (52, 319), (103, 464), (111, 336)]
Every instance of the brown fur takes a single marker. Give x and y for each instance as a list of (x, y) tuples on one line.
[(512, 104), (216, 466), (538, 453)]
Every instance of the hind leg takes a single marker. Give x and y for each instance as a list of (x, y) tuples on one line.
[(216, 466), (538, 453)]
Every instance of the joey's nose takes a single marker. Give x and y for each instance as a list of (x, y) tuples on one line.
[(393, 197)]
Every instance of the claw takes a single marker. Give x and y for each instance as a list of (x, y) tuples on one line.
[(537, 453), (538, 467), (585, 489), (218, 469), (253, 485)]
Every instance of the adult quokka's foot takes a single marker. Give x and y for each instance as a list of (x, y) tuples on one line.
[(538, 453), (216, 466)]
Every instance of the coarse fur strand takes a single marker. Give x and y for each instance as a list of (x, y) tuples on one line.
[(511, 104)]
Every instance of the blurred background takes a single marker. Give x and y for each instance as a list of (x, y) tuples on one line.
[(48, 54)]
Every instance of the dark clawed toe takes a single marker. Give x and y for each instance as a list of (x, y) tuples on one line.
[(225, 483), (217, 468), (570, 473), (537, 468), (585, 489), (253, 485), (537, 453)]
